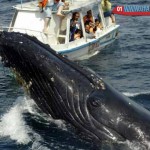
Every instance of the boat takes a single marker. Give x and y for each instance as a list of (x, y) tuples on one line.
[(29, 19)]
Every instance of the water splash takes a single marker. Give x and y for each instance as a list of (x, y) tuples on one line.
[(14, 126), (136, 146)]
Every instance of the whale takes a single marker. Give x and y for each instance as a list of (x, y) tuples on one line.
[(66, 90)]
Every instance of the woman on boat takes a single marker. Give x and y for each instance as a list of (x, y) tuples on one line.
[(52, 5), (74, 24), (89, 27), (88, 17), (89, 31), (106, 6)]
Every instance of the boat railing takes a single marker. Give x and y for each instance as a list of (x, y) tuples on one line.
[(39, 34), (3, 28)]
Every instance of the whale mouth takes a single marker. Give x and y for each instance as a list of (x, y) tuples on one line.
[(105, 131)]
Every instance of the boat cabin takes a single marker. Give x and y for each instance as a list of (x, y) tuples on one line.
[(29, 19)]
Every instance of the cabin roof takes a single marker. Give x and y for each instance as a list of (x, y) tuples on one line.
[(74, 5)]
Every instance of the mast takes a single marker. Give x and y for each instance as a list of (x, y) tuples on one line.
[(21, 3)]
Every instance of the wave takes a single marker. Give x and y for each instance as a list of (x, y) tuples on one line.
[(138, 146), (14, 125), (142, 98), (137, 94)]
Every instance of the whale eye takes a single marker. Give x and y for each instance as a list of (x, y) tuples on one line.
[(95, 102), (95, 99)]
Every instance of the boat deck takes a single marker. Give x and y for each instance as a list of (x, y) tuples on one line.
[(76, 5)]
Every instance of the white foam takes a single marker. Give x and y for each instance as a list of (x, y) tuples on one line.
[(13, 125), (38, 146), (30, 106), (136, 146), (88, 56), (135, 94)]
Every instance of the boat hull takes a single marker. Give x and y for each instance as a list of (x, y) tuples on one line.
[(92, 47)]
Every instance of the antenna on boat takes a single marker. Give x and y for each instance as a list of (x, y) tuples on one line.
[(21, 4)]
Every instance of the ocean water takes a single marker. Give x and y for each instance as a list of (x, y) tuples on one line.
[(125, 65)]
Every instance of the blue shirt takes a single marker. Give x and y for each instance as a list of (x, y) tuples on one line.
[(57, 5)]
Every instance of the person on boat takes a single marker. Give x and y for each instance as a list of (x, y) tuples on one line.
[(97, 29), (88, 17), (58, 6), (48, 13), (66, 5), (97, 32), (74, 24), (89, 27), (78, 34), (107, 6), (89, 31), (52, 5), (98, 24)]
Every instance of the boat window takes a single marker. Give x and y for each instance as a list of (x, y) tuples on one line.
[(88, 17), (97, 17), (96, 13), (92, 22), (63, 26), (89, 23), (62, 31)]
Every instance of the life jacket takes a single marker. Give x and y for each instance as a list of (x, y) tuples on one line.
[(43, 3)]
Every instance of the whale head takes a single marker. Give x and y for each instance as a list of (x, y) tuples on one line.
[(65, 90)]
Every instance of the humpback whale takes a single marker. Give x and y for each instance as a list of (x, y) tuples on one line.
[(64, 90)]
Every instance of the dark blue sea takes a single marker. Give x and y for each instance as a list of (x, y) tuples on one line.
[(125, 65)]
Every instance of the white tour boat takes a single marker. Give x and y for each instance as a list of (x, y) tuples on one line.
[(29, 19)]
